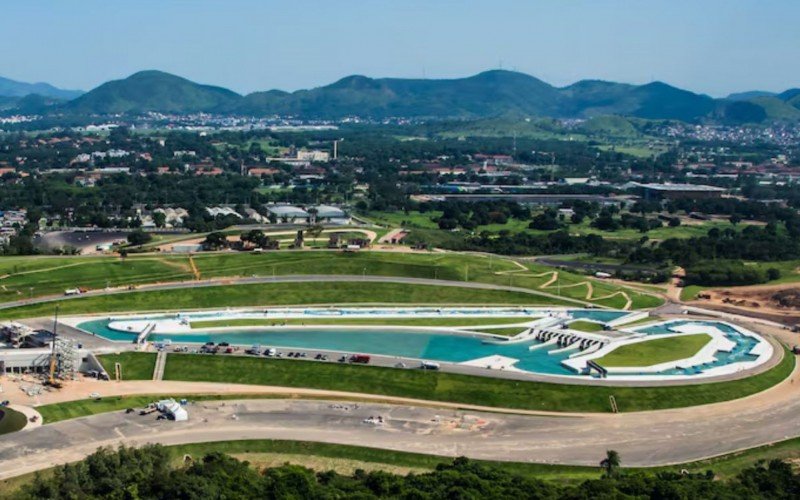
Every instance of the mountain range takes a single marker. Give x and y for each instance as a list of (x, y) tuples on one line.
[(487, 94)]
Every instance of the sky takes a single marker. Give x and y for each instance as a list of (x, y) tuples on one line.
[(710, 46)]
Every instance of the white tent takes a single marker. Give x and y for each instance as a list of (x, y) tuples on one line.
[(173, 409)]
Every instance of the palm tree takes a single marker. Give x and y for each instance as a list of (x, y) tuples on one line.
[(610, 463)]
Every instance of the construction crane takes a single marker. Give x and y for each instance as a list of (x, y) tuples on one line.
[(51, 381)]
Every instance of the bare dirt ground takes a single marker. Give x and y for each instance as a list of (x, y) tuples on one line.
[(779, 303)]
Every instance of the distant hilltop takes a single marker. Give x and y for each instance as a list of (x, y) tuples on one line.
[(487, 94)]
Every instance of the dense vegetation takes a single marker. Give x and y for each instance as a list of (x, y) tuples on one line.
[(149, 472)]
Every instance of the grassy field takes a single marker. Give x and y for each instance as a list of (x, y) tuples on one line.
[(425, 220), (507, 331), (48, 275), (134, 365), (656, 351), (344, 455), (586, 326), (437, 322), (11, 421), (37, 276), (275, 294), (84, 407), (724, 466), (788, 269), (439, 386)]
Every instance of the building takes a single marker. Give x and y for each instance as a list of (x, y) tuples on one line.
[(535, 200), (330, 214), (288, 213), (222, 211), (258, 171), (314, 155), (173, 216), (679, 191)]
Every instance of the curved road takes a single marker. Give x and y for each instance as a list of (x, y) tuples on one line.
[(643, 439)]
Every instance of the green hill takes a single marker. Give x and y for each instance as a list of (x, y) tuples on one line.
[(776, 109), (491, 94), (13, 88), (152, 91), (610, 126), (486, 94)]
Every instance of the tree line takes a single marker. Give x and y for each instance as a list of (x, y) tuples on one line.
[(148, 473)]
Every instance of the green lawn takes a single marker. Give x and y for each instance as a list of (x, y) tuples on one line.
[(135, 365), (273, 294), (402, 219), (656, 351), (48, 275), (11, 421), (507, 331), (374, 456), (37, 276), (586, 326), (440, 386), (436, 322), (84, 407)]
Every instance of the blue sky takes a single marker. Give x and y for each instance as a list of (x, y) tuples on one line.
[(709, 46)]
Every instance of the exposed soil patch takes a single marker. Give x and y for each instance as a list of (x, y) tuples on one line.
[(775, 302)]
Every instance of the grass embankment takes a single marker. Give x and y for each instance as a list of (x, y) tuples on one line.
[(586, 326), (455, 388), (436, 322), (304, 453), (655, 351), (11, 420), (345, 458), (277, 294), (84, 407), (37, 276), (507, 332), (134, 365)]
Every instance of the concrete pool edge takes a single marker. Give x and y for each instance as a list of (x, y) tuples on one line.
[(463, 368)]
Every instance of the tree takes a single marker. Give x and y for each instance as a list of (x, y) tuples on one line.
[(139, 237), (545, 221), (773, 274), (215, 241), (610, 463), (160, 219), (314, 231)]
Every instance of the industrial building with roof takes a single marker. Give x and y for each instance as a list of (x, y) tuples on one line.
[(288, 212), (679, 191)]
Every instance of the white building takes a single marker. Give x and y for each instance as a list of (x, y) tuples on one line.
[(288, 213)]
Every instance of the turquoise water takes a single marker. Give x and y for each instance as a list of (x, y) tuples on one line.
[(418, 344), (740, 352), (427, 344)]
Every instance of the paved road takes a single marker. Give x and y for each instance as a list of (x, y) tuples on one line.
[(300, 279), (643, 439)]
